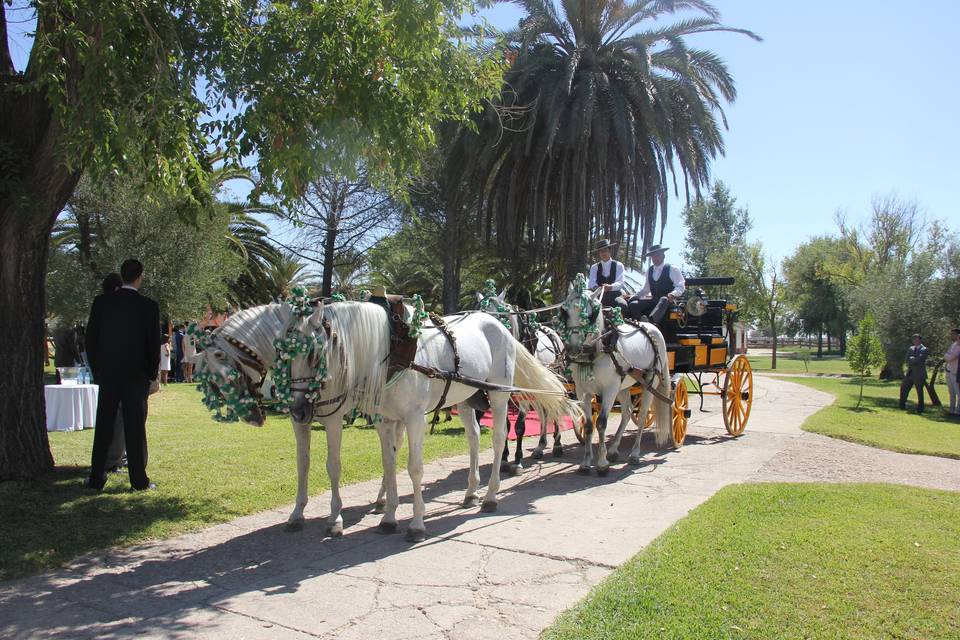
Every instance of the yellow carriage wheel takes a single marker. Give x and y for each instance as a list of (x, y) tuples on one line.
[(680, 412), (737, 395), (636, 397)]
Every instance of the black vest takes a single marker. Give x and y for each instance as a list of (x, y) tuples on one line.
[(610, 279), (662, 286)]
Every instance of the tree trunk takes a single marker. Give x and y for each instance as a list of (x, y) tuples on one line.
[(773, 354), (843, 344), (450, 249), (820, 343), (35, 185), (24, 448), (329, 247)]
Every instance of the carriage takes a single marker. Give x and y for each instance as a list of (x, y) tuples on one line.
[(702, 355)]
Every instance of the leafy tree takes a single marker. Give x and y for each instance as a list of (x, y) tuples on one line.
[(713, 225), (757, 288), (112, 86), (285, 274), (248, 239), (603, 106), (188, 266), (865, 351), (816, 299)]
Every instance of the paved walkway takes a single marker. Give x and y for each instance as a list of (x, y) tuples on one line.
[(476, 576)]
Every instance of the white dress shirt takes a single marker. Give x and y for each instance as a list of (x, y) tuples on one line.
[(617, 283), (679, 284)]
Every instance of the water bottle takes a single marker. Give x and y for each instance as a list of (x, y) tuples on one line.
[(82, 375)]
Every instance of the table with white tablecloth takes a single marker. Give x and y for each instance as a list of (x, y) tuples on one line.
[(71, 407)]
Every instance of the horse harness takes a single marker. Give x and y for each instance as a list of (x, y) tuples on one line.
[(608, 345)]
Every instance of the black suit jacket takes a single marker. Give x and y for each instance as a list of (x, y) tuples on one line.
[(123, 337)]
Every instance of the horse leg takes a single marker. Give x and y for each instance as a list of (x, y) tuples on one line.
[(520, 427), (645, 403), (389, 445), (587, 461), (557, 445), (416, 428), (394, 435), (505, 456), (302, 433), (498, 405), (334, 431), (472, 428), (613, 451), (542, 442), (606, 406)]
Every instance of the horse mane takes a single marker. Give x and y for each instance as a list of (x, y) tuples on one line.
[(357, 358), (257, 327)]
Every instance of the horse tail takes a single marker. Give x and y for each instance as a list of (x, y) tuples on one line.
[(551, 403), (663, 410)]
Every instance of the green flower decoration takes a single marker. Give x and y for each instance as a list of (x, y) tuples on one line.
[(419, 315)]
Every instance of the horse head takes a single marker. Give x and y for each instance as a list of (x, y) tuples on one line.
[(579, 315)]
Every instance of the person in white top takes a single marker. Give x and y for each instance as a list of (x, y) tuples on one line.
[(664, 285), (189, 350), (608, 273), (952, 359)]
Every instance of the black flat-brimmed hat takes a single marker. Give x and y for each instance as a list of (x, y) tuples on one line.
[(604, 244), (654, 248)]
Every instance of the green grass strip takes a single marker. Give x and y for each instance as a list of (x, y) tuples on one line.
[(789, 561), (879, 421)]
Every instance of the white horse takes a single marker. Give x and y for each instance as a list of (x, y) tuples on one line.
[(487, 353), (638, 351), (547, 348), (242, 352)]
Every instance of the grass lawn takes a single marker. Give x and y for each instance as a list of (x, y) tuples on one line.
[(879, 421), (789, 561), (207, 472), (790, 362)]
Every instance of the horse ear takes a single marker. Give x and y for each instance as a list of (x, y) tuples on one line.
[(316, 318), (479, 297), (569, 289), (503, 294), (596, 295)]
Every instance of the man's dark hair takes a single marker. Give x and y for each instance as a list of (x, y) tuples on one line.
[(130, 270), (956, 331), (917, 336), (111, 282)]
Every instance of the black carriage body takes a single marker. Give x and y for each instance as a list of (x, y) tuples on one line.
[(700, 343)]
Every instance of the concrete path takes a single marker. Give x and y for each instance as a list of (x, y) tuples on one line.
[(503, 575)]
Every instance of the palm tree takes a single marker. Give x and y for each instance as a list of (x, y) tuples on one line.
[(603, 109), (285, 274)]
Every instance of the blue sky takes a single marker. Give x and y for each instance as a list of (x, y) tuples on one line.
[(842, 101)]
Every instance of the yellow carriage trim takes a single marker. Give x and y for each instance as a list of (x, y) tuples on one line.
[(718, 356), (716, 341), (671, 359), (730, 307), (688, 341), (700, 355)]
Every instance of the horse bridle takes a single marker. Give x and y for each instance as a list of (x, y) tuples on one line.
[(303, 384)]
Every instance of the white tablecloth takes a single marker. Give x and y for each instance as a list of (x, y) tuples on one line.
[(71, 407)]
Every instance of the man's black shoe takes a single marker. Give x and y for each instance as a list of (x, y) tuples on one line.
[(150, 487), (87, 486)]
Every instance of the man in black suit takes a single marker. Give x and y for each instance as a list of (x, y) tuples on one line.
[(123, 347), (916, 373)]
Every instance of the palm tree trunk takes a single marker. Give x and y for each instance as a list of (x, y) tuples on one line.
[(329, 247)]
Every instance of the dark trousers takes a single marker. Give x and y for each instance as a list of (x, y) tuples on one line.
[(118, 446), (653, 309), (613, 299), (911, 381), (130, 397)]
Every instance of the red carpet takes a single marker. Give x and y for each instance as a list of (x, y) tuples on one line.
[(532, 423)]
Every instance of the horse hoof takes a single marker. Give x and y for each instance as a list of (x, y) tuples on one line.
[(379, 507), (505, 467), (416, 535), (558, 452), (584, 471), (613, 456), (537, 454), (633, 460), (471, 501), (335, 530), (294, 525), (516, 469), (488, 506), (387, 527), (603, 471)]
